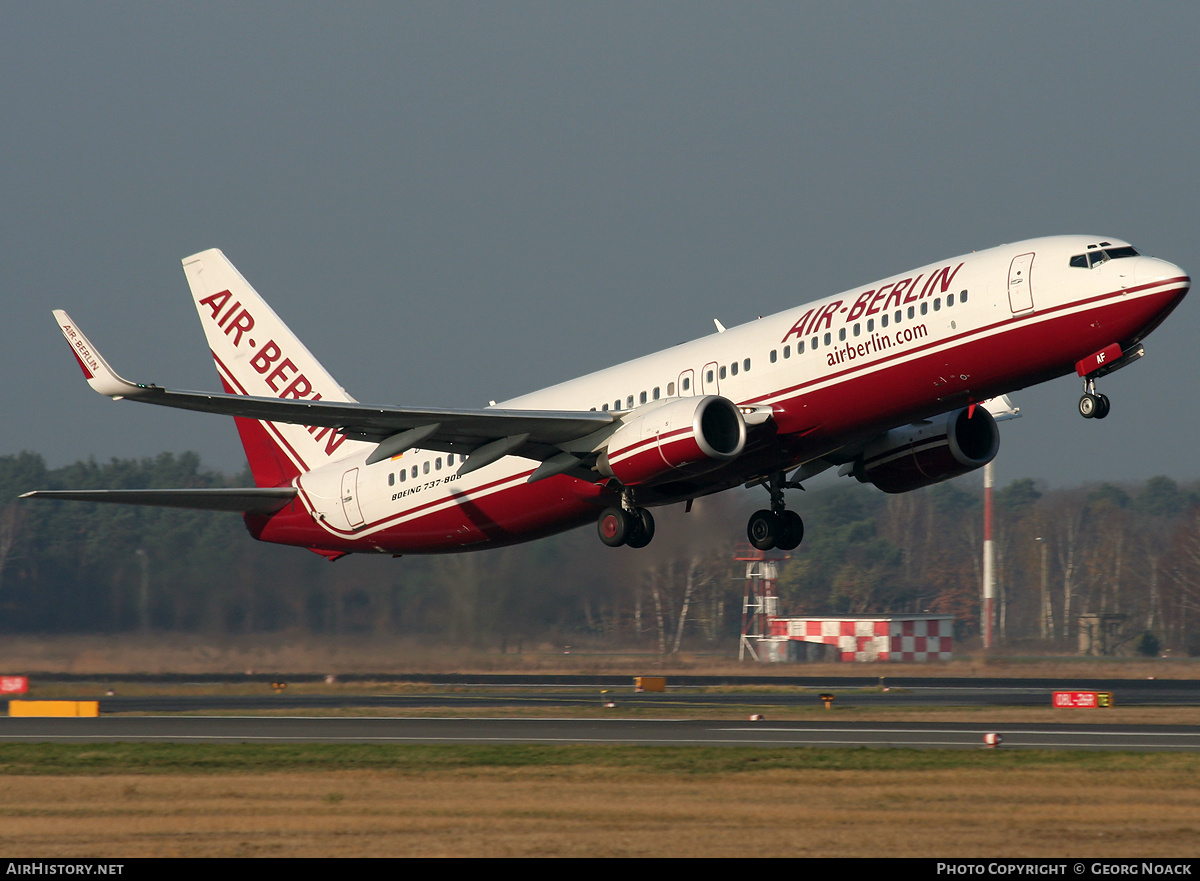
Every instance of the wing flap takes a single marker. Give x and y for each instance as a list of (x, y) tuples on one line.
[(375, 423)]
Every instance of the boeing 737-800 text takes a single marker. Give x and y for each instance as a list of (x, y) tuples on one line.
[(899, 383)]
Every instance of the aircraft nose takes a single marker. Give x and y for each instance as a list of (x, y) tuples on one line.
[(1151, 269)]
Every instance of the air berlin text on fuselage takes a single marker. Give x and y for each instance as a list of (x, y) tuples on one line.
[(874, 301), (281, 375), (876, 343)]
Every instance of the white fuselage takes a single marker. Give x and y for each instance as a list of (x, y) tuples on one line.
[(833, 372)]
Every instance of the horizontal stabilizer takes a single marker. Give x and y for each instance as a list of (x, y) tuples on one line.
[(246, 500)]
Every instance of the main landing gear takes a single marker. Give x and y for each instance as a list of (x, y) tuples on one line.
[(626, 525), (1092, 405), (778, 527)]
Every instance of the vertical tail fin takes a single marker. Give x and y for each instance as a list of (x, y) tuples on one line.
[(256, 354)]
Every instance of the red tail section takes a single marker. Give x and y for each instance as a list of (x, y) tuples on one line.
[(257, 354)]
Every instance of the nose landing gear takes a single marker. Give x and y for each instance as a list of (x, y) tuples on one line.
[(1092, 405), (778, 527), (1102, 363)]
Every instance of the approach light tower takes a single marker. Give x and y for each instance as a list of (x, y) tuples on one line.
[(760, 601)]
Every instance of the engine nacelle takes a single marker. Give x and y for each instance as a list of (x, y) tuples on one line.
[(683, 437), (920, 455)]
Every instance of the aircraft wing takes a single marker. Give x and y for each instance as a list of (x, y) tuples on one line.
[(484, 434), (247, 500)]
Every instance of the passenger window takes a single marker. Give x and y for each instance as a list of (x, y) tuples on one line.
[(656, 393), (857, 328), (800, 347), (403, 475), (962, 296), (670, 390), (883, 320), (774, 355), (842, 334), (746, 365), (687, 381), (828, 338), (925, 308), (629, 403), (912, 310), (391, 480), (814, 342), (425, 467), (787, 350), (415, 472), (733, 368), (949, 299), (642, 398), (937, 304), (605, 408), (722, 372), (708, 377), (450, 458), (870, 325), (437, 464)]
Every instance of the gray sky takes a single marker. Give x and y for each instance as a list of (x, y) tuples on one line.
[(457, 202)]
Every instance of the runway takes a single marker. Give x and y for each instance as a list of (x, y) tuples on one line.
[(641, 732), (517, 692), (844, 698), (269, 716)]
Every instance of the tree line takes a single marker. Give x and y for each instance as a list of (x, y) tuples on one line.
[(1130, 551)]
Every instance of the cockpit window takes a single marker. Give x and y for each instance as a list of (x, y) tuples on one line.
[(1096, 257)]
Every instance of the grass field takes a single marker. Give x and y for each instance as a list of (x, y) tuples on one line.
[(164, 800)]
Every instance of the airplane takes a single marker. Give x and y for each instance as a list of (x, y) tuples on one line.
[(899, 383)]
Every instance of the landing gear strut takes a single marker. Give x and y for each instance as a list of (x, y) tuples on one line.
[(1092, 405), (626, 525), (778, 527)]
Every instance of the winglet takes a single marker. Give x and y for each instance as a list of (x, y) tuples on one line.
[(99, 375)]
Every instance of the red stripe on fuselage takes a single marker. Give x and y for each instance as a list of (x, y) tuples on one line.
[(490, 516)]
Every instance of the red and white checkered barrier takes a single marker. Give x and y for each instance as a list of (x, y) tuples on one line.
[(883, 638)]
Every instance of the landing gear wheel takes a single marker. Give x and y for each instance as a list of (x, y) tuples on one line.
[(1103, 406), (764, 530), (615, 526), (643, 529), (792, 532), (1089, 405)]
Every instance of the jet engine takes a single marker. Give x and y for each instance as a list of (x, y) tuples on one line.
[(684, 436), (929, 452)]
